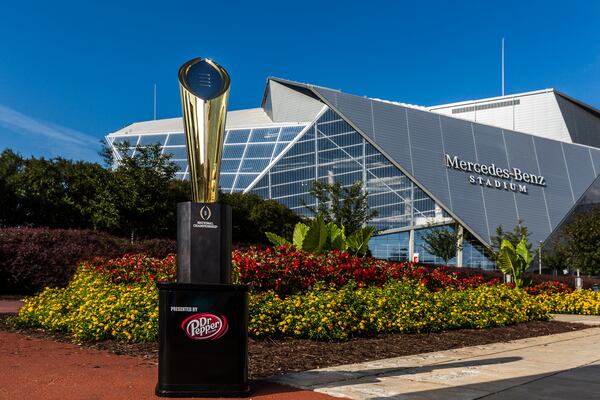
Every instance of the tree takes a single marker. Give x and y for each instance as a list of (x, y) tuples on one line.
[(252, 216), (135, 198), (347, 207), (579, 242), (514, 237), (10, 165), (442, 242)]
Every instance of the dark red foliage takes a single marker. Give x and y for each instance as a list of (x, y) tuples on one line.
[(33, 258), (287, 270), (132, 268), (548, 288)]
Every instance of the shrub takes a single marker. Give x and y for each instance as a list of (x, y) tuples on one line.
[(548, 288), (321, 237), (136, 268), (92, 307), (398, 306), (33, 258), (582, 302), (287, 270)]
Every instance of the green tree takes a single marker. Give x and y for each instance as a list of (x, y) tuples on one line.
[(135, 199), (10, 165), (252, 216), (580, 242), (513, 236), (347, 207), (442, 242)]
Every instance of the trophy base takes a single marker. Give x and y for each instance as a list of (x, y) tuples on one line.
[(203, 243), (203, 340)]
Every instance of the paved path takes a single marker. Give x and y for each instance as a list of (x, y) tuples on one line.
[(10, 306), (593, 320), (562, 366), (42, 369)]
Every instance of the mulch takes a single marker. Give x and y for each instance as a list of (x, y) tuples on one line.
[(279, 356)]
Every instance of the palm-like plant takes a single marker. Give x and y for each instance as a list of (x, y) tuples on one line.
[(514, 261), (319, 237)]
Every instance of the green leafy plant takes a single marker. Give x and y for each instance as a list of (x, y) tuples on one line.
[(514, 261), (513, 236), (319, 237)]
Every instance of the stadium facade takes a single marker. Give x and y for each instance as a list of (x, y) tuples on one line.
[(472, 166)]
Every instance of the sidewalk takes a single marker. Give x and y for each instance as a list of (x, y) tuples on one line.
[(42, 369), (10, 306), (563, 366)]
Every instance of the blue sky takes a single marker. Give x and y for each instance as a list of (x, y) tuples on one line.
[(70, 72)]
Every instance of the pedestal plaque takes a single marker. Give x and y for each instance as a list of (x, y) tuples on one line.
[(203, 347), (203, 243)]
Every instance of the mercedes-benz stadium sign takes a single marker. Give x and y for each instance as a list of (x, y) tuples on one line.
[(492, 176)]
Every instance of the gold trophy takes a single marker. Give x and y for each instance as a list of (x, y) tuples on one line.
[(204, 224), (204, 87), (203, 318)]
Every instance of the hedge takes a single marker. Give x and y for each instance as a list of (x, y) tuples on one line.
[(33, 258)]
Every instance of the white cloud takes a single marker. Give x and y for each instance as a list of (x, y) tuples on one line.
[(66, 142)]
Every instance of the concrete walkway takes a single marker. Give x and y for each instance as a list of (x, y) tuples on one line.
[(593, 320), (10, 306), (563, 366)]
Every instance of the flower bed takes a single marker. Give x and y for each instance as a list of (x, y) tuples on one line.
[(93, 307), (396, 307), (297, 294), (118, 299), (286, 270), (582, 302)]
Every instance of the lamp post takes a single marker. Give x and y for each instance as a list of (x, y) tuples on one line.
[(540, 258)]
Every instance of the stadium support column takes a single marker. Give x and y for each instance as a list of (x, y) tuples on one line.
[(411, 244), (459, 246)]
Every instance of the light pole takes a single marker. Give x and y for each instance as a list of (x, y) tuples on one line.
[(540, 258)]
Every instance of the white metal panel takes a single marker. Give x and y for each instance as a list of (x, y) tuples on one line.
[(537, 113), (540, 115)]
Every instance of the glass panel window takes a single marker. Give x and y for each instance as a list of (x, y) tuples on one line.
[(264, 135), (233, 151), (132, 140), (181, 165), (288, 133), (178, 153), (226, 182), (176, 139), (279, 148), (146, 140), (259, 150), (254, 165), (243, 181), (393, 246), (230, 166), (237, 136)]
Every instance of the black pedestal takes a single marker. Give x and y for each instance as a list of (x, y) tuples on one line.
[(203, 340), (203, 243)]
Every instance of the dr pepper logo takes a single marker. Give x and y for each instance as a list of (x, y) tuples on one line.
[(204, 326)]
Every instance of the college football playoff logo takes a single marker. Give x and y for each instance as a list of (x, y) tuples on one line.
[(205, 213)]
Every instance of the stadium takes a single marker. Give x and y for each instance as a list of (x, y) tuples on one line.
[(472, 165)]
